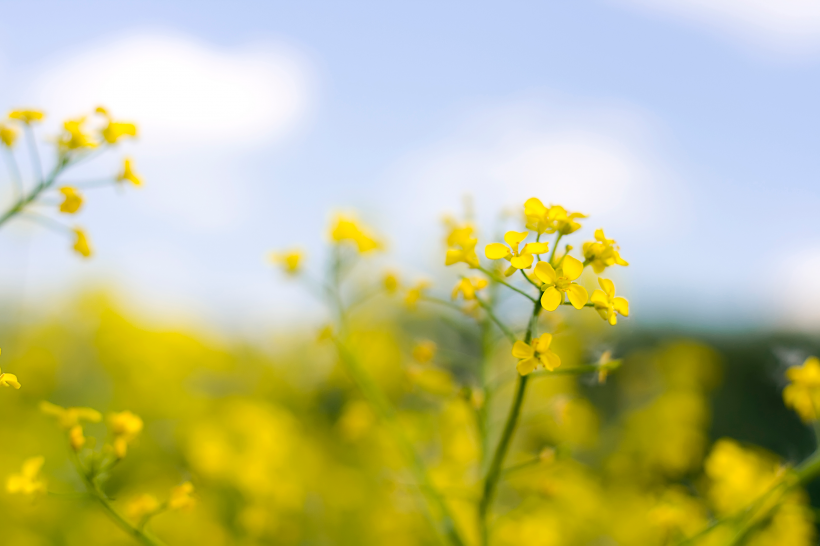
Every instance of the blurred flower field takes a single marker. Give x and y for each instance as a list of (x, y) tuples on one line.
[(504, 409)]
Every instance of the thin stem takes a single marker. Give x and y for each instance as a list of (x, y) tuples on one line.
[(496, 320), (26, 199), (494, 277), (35, 155), (555, 246), (529, 280), (585, 305), (439, 301), (14, 172)]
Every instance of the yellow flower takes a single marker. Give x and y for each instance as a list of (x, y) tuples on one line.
[(27, 116), (607, 304), (602, 253), (129, 174), (461, 245), (424, 351), (345, 229), (28, 481), (468, 287), (74, 138), (535, 353), (81, 245), (518, 260), (803, 392), (390, 282), (182, 497), (554, 218), (72, 200), (8, 135), (76, 438), (115, 130), (142, 505), (9, 380), (124, 426), (69, 418), (291, 261), (414, 294), (558, 282)]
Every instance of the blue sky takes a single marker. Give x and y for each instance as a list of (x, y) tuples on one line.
[(687, 129)]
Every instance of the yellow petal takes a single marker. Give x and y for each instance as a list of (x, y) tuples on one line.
[(543, 343), (496, 251), (608, 286), (525, 367), (514, 238), (536, 248), (599, 298), (550, 360), (578, 295), (551, 298), (572, 268), (613, 319), (621, 306), (534, 206), (522, 350), (545, 272), (453, 256), (524, 261)]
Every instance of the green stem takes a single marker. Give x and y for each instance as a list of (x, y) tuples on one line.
[(555, 247), (38, 189), (529, 280), (499, 280), (495, 319)]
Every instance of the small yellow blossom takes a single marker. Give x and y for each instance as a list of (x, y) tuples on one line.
[(559, 282), (554, 218), (124, 426), (8, 135), (424, 351), (518, 260), (74, 137), (27, 116), (802, 394), (468, 287), (607, 304), (115, 130), (141, 506), (534, 353), (128, 173), (76, 438), (72, 200), (602, 253), (182, 497), (68, 418), (415, 293), (81, 245), (461, 245), (9, 380), (291, 260), (390, 282), (345, 229), (28, 481)]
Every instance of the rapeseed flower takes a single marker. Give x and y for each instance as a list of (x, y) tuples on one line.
[(345, 229), (607, 304), (68, 418), (72, 200), (8, 135), (468, 287), (141, 506), (74, 137), (81, 245), (461, 245), (290, 261), (415, 293), (802, 394), (27, 116), (128, 173), (534, 353), (76, 438), (115, 130), (9, 380), (602, 253), (181, 497), (552, 219), (518, 259), (557, 282), (124, 427), (28, 481)]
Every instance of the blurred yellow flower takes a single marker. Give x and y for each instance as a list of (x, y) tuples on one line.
[(424, 351), (291, 260), (9, 380), (554, 218), (390, 282), (27, 116), (142, 505), (414, 294), (76, 438), (461, 245), (534, 353), (128, 173), (68, 418), (81, 245), (28, 481), (72, 200), (115, 130), (124, 427), (8, 135), (607, 304), (518, 260), (739, 476), (802, 394), (345, 229), (559, 282), (468, 287), (602, 253), (182, 497), (74, 137)]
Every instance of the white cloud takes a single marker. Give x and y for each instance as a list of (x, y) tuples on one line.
[(184, 93), (782, 26)]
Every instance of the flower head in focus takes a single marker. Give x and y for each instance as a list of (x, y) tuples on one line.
[(72, 200), (602, 253), (345, 229), (558, 282), (81, 245), (128, 173), (8, 135), (468, 287), (115, 130), (181, 497), (802, 394), (27, 116), (607, 304), (518, 259), (415, 293), (124, 427), (290, 261), (28, 481), (534, 353)]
